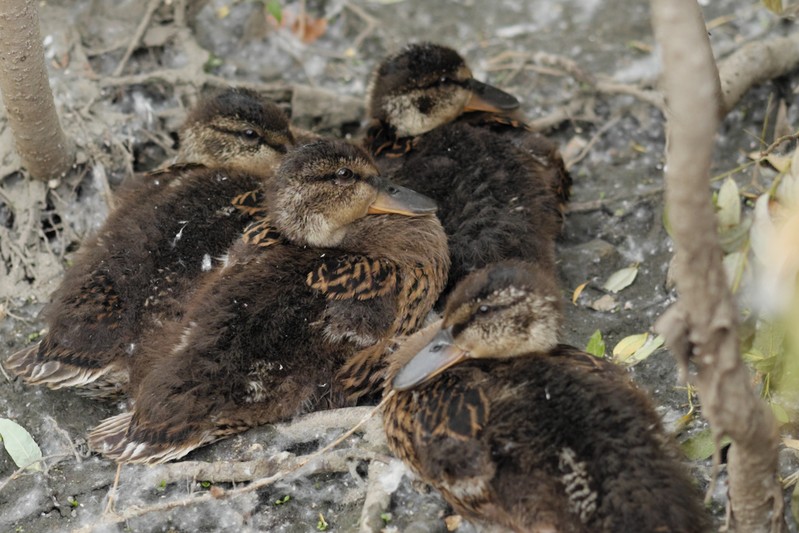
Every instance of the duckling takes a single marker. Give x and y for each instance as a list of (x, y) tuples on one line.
[(168, 229), (350, 259), (437, 130), (521, 432)]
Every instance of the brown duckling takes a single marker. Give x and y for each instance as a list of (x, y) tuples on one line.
[(263, 337), (439, 131), (167, 230), (518, 431)]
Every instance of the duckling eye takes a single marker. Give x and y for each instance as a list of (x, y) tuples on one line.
[(483, 309), (344, 176), (250, 135)]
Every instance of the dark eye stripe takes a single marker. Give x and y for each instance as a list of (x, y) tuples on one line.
[(279, 147)]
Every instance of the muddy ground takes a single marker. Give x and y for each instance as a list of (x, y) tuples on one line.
[(127, 123)]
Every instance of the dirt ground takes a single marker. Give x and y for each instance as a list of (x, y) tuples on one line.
[(582, 70)]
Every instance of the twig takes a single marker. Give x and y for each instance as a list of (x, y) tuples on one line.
[(110, 506), (24, 469), (653, 98), (773, 146), (371, 23), (595, 205), (559, 116), (221, 494), (152, 5), (587, 148)]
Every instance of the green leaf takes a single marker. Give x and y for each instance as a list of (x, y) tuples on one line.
[(20, 445), (769, 338), (701, 445), (596, 345), (773, 5), (283, 500), (321, 524), (729, 204), (780, 413), (273, 8), (733, 239), (621, 279)]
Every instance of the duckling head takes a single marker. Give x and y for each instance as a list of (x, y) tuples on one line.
[(426, 85), (505, 310), (236, 128), (322, 188)]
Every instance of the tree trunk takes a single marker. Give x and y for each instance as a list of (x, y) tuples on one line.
[(702, 326), (28, 100)]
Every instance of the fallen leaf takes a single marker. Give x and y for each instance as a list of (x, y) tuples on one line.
[(577, 292), (773, 5), (642, 349), (701, 445), (453, 522), (629, 345), (308, 28), (223, 12), (621, 279), (780, 413), (779, 162), (791, 443), (20, 445), (274, 9), (729, 204), (734, 265), (596, 344)]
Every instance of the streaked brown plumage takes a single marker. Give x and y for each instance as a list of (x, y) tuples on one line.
[(522, 433), (438, 131), (264, 336), (169, 228)]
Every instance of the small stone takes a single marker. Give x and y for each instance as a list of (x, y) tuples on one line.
[(605, 303)]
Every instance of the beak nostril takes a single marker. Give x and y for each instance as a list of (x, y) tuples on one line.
[(437, 348), (392, 190)]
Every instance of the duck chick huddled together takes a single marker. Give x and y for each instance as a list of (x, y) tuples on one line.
[(269, 272)]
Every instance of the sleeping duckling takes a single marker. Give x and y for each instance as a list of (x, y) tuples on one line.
[(439, 131), (521, 432), (168, 229), (346, 260)]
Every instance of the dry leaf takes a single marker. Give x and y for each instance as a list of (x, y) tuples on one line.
[(223, 12), (791, 443), (308, 29), (453, 522), (629, 345), (578, 291), (780, 162), (729, 204), (621, 279)]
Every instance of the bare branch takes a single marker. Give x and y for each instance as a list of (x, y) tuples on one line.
[(755, 63), (701, 327)]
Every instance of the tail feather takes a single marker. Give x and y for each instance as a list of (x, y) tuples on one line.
[(114, 439), (35, 368)]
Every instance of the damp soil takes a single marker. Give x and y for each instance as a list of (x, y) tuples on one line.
[(127, 123)]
